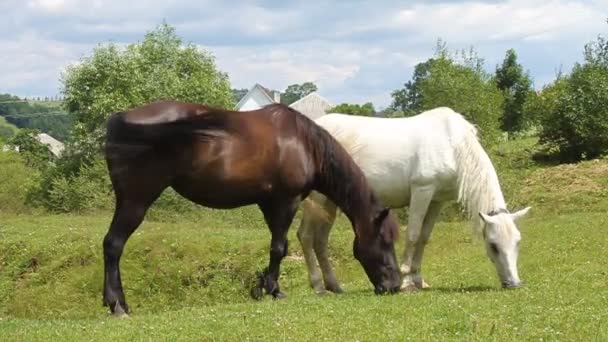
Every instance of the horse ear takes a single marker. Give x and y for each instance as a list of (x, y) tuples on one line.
[(381, 215), (517, 215), (486, 218)]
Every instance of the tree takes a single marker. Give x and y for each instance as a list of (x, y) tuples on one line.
[(366, 109), (295, 92), (237, 94), (409, 99), (515, 85), (576, 124), (459, 82), (114, 79)]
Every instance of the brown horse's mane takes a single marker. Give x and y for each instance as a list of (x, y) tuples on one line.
[(339, 177)]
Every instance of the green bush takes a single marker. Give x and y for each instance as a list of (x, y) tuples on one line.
[(17, 181), (577, 126)]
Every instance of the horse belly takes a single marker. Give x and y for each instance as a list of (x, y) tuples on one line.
[(217, 193)]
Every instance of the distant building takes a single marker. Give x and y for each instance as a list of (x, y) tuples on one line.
[(312, 105), (54, 145), (258, 97)]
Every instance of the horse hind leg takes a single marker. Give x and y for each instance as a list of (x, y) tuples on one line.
[(318, 218), (128, 215), (425, 234), (312, 218), (278, 215), (321, 241), (419, 204)]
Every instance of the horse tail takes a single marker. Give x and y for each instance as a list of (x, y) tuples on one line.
[(476, 177)]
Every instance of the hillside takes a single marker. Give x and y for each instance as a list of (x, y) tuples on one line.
[(7, 129), (45, 116), (190, 278)]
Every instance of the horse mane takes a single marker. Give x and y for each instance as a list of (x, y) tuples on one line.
[(478, 186), (338, 176)]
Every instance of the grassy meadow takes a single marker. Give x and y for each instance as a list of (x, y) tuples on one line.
[(189, 279)]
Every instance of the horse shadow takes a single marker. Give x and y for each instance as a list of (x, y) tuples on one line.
[(462, 289)]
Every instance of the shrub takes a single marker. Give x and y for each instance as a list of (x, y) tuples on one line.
[(577, 126)]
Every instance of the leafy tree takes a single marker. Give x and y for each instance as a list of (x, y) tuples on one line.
[(238, 94), (539, 105), (409, 98), (576, 123), (159, 67), (516, 85), (366, 109), (113, 79), (295, 92), (459, 82)]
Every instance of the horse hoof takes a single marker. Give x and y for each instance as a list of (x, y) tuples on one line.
[(257, 293), (409, 288), (279, 295), (336, 289), (423, 285), (120, 312)]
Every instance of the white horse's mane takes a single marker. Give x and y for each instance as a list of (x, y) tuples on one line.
[(478, 185)]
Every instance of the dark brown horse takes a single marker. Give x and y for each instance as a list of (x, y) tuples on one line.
[(272, 157)]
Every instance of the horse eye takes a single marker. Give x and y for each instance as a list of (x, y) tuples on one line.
[(494, 248)]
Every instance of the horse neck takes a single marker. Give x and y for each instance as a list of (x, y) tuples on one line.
[(478, 185), (344, 183)]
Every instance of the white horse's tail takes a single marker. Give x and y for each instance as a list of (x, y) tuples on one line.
[(478, 186)]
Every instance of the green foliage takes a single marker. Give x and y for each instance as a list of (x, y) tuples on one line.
[(159, 67), (113, 79), (408, 100), (190, 281), (7, 130), (366, 109), (16, 181), (34, 153), (516, 85), (460, 83), (295, 92), (578, 124), (457, 81), (238, 94), (88, 190), (44, 117)]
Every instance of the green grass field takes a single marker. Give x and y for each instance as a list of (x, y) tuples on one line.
[(189, 279)]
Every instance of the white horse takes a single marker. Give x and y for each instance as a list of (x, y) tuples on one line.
[(420, 162)]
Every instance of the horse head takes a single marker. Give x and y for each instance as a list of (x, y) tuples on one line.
[(376, 253), (502, 243)]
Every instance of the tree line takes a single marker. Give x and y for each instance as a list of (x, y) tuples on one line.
[(569, 115)]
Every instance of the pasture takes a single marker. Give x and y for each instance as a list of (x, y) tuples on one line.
[(189, 279)]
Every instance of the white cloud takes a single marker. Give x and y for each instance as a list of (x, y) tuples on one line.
[(355, 51)]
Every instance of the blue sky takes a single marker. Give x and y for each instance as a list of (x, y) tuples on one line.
[(355, 51)]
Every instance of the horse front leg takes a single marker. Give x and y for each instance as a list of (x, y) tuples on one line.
[(278, 215)]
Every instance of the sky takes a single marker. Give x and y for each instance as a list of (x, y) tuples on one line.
[(355, 51)]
